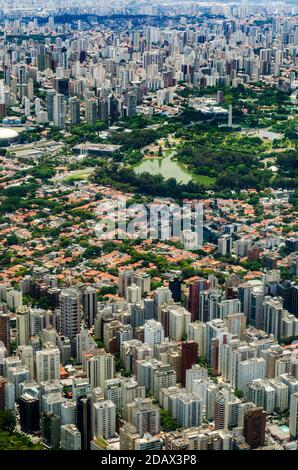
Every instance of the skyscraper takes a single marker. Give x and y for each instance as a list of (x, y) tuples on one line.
[(50, 104), (47, 363), (70, 437), (221, 409), (164, 376), (230, 118), (294, 416), (131, 103), (189, 410), (144, 415), (272, 316), (195, 289), (84, 421), (189, 355), (68, 412), (161, 295), (23, 325), (137, 315), (70, 312), (254, 427), (5, 330), (125, 280), (249, 370), (100, 368), (91, 110), (104, 419), (29, 413), (3, 383), (134, 294), (128, 436), (50, 429), (59, 110), (89, 301), (175, 287), (153, 332), (74, 110), (196, 332)]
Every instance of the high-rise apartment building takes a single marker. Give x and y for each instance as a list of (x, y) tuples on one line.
[(254, 427), (100, 368), (5, 330), (70, 437), (74, 110), (189, 410), (50, 104), (144, 415), (59, 110), (294, 416), (23, 325), (104, 419), (153, 333), (70, 312), (47, 363)]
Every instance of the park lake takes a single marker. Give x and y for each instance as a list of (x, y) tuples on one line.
[(169, 167)]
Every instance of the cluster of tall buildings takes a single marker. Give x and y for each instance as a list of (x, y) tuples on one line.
[(204, 362), (87, 374), (98, 74)]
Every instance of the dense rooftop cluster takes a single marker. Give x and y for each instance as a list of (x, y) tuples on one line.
[(144, 342)]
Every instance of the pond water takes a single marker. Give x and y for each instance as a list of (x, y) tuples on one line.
[(165, 167)]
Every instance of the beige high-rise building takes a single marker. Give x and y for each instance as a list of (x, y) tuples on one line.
[(27, 357), (70, 437), (144, 415), (175, 360), (196, 332), (236, 324), (23, 325), (164, 376), (128, 436), (134, 294), (179, 319), (100, 367), (109, 334)]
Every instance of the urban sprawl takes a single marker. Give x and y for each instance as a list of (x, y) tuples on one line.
[(148, 342)]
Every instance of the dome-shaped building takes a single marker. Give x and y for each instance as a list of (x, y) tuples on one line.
[(7, 136)]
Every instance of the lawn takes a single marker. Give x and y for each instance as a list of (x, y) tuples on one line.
[(17, 441), (203, 179), (77, 175)]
